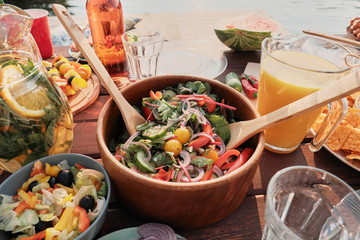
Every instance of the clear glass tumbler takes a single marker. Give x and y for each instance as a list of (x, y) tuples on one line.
[(309, 203), (142, 48)]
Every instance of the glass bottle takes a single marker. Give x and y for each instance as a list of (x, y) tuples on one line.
[(107, 26)]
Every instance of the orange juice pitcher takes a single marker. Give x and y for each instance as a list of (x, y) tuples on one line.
[(107, 26), (291, 68)]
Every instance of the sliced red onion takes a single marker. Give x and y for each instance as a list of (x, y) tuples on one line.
[(201, 116), (183, 171), (185, 105), (176, 119), (186, 157), (200, 175), (218, 171), (120, 157), (201, 134), (131, 138), (156, 231), (222, 147)]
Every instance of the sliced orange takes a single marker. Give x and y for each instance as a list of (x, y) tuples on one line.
[(26, 102)]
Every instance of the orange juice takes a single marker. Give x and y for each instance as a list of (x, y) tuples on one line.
[(281, 84)]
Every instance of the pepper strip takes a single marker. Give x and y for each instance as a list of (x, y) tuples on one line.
[(221, 160), (202, 140), (244, 156), (208, 173)]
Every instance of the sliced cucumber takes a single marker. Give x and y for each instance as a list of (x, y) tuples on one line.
[(155, 132), (144, 166)]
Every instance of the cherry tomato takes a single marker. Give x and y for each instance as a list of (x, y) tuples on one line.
[(212, 154), (182, 135), (173, 146)]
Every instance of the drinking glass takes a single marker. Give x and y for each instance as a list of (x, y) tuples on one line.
[(292, 67), (142, 48), (309, 203)]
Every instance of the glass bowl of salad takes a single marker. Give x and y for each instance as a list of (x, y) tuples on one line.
[(176, 169), (63, 196)]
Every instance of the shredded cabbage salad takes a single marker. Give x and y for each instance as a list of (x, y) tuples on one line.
[(56, 202), (184, 137)]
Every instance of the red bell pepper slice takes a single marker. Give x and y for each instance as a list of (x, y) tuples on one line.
[(161, 175), (227, 166), (38, 236), (222, 159), (244, 156), (148, 114), (209, 103), (202, 140), (84, 220), (208, 174)]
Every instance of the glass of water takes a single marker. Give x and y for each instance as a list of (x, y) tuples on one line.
[(309, 203), (142, 48)]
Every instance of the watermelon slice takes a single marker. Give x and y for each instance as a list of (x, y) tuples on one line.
[(245, 33)]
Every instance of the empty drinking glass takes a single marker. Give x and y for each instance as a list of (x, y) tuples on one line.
[(142, 48), (309, 203)]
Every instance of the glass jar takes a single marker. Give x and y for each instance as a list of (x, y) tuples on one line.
[(35, 117)]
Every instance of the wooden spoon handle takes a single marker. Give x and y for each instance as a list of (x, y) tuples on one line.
[(333, 37), (243, 130), (127, 111)]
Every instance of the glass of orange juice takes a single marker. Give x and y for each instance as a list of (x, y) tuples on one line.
[(292, 67)]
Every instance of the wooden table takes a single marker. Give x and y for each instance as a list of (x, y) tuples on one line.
[(246, 222)]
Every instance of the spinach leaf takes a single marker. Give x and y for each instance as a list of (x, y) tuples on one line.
[(220, 127), (161, 159), (201, 161)]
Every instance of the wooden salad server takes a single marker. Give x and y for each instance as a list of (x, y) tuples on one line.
[(131, 117), (243, 130)]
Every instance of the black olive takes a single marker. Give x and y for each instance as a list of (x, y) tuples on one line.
[(87, 202), (41, 226), (65, 177), (52, 181), (32, 185)]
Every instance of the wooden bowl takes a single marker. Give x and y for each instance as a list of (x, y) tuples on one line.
[(181, 205)]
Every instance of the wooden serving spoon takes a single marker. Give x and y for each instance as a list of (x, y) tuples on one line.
[(243, 130), (131, 117)]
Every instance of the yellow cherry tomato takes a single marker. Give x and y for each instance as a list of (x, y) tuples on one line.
[(212, 154), (173, 146), (182, 135)]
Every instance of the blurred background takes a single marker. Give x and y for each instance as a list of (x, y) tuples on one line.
[(319, 15)]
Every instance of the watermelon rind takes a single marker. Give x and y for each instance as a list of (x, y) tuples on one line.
[(240, 39)]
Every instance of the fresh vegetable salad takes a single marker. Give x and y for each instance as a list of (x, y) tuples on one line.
[(184, 137), (56, 202)]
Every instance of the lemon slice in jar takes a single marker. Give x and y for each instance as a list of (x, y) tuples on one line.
[(27, 102)]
